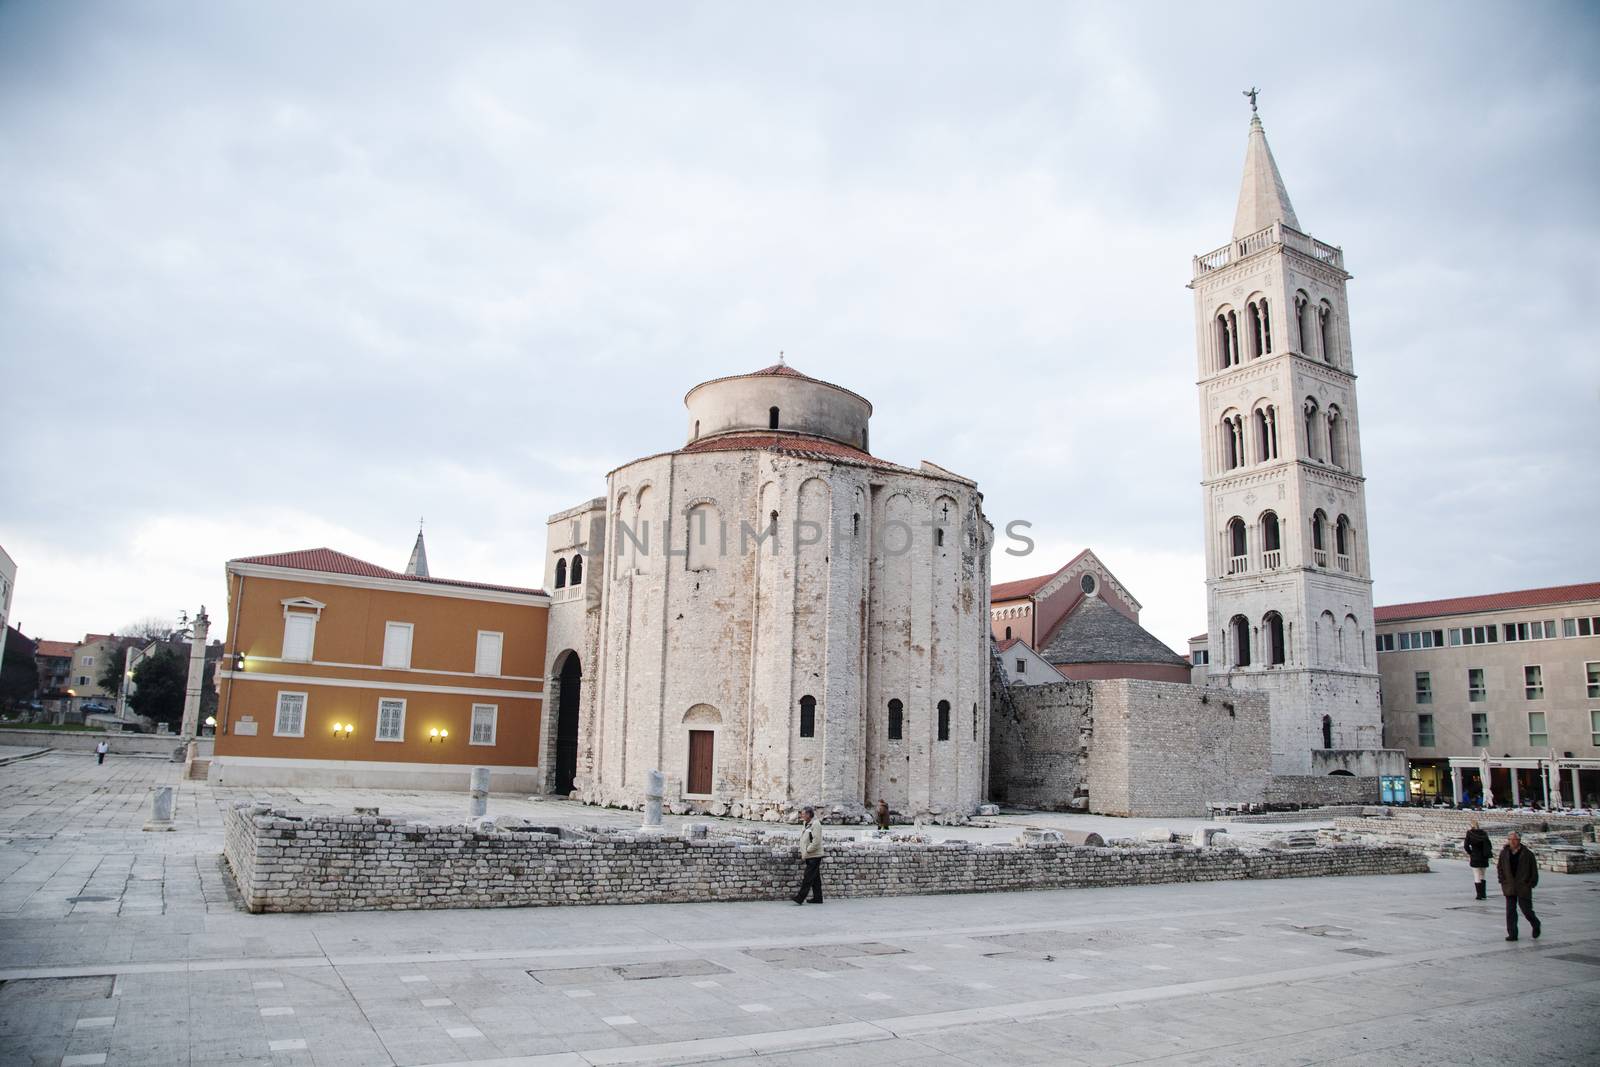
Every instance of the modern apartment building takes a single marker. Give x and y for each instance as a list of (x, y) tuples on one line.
[(1496, 697)]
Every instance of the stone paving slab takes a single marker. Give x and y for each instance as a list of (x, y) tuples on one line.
[(1236, 972)]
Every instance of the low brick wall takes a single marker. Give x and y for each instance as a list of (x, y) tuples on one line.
[(84, 741), (356, 863)]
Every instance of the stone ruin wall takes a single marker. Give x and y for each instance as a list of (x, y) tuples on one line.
[(1323, 790), (318, 863), (1128, 747)]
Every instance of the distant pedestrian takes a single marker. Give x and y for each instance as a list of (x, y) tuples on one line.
[(1519, 873), (1479, 849), (883, 814), (100, 751), (811, 852)]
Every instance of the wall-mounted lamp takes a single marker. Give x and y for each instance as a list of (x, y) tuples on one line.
[(343, 730), (238, 661), (437, 734)]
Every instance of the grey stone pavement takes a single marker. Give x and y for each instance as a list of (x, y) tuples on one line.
[(123, 947)]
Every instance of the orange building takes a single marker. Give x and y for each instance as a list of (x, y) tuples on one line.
[(341, 672)]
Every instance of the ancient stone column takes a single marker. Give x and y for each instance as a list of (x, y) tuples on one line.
[(480, 792), (193, 691), (160, 809), (654, 788)]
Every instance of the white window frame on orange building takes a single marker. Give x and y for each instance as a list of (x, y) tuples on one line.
[(494, 724), (378, 727), (499, 653), (391, 628), (277, 716)]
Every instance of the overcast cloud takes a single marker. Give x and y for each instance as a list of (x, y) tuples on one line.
[(275, 276)]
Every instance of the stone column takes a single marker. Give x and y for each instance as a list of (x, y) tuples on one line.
[(1577, 798), (197, 675), (480, 792), (654, 789), (160, 809), (1455, 785), (1516, 788)]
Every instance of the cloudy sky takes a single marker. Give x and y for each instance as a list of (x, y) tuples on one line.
[(275, 276)]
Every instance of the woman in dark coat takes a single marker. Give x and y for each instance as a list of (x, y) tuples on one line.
[(1478, 852)]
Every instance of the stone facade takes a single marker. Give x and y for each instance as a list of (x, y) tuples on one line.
[(1289, 592), (1323, 790), (1129, 747), (352, 863), (785, 619)]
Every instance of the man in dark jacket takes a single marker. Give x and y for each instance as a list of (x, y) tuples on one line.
[(1478, 850), (1518, 875)]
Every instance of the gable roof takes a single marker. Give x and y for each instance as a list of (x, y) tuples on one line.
[(59, 649), (1023, 587), (327, 561), (1096, 632), (1466, 605)]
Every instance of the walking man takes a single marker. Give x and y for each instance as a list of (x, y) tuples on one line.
[(811, 852), (100, 751), (1478, 850), (1518, 875)]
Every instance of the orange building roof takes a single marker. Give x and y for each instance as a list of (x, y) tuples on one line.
[(328, 561), (1024, 587), (1465, 605), (59, 649)]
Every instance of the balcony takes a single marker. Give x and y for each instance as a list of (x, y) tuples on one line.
[(1276, 234), (1272, 559), (1238, 564), (1344, 563), (1319, 556)]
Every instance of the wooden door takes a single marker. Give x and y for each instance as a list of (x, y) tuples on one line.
[(701, 745)]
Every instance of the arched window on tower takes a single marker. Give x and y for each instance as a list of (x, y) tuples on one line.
[(1325, 331), (1266, 328), (808, 716), (1327, 731), (1313, 429), (1336, 438), (1266, 419), (1239, 631), (577, 570), (1252, 318), (1232, 441), (772, 418), (1305, 326), (1227, 338), (944, 720), (1271, 541), (561, 574), (1238, 561), (897, 720), (1343, 543), (1008, 633), (1319, 538), (1272, 635)]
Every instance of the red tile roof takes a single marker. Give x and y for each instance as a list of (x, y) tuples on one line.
[(59, 649), (1008, 642), (1466, 605), (328, 561), (1029, 586), (790, 444)]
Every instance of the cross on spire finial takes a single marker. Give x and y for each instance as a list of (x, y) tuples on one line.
[(1252, 93)]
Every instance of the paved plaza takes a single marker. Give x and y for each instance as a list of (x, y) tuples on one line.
[(123, 947)]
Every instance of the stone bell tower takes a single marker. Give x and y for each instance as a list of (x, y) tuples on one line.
[(1288, 589)]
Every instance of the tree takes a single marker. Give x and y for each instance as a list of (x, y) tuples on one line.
[(112, 661), (150, 628), (160, 679)]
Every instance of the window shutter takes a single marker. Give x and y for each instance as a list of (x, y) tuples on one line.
[(397, 645), (297, 632), (488, 654)]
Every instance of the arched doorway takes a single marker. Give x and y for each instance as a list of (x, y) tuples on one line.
[(571, 685)]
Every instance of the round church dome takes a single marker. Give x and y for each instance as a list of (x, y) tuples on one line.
[(778, 399)]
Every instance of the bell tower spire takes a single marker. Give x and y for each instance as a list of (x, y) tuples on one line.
[(1288, 585), (417, 565), (1262, 198)]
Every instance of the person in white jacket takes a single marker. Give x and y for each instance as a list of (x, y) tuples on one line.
[(811, 852)]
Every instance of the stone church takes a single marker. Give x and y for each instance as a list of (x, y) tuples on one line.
[(1288, 583), (772, 616)]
